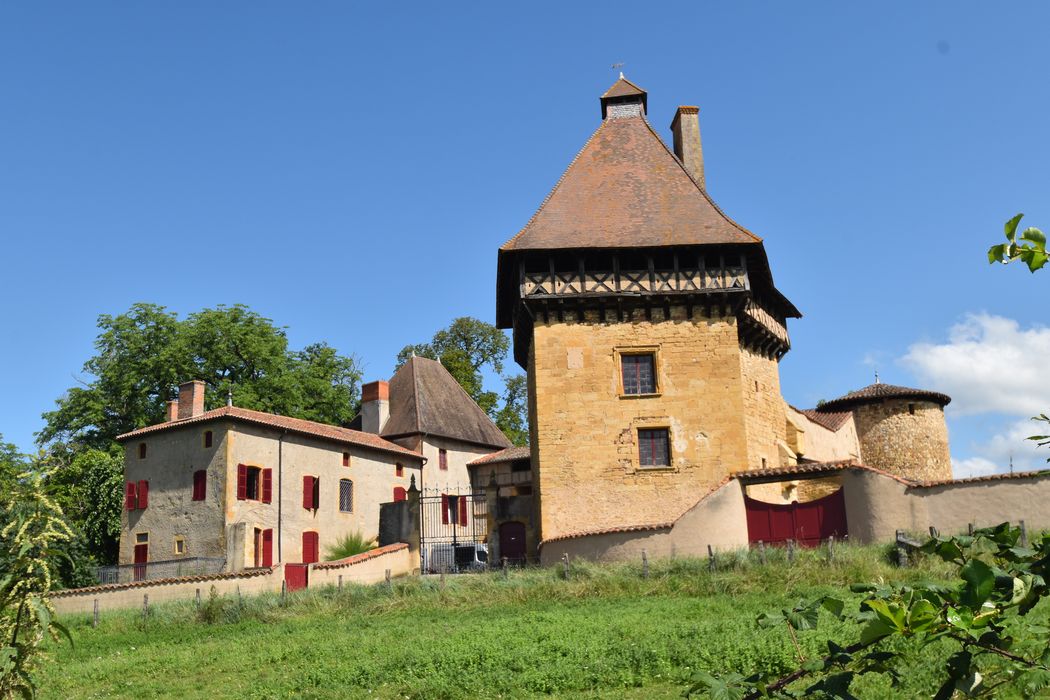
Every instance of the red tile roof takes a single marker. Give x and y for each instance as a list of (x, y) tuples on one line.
[(608, 531), (623, 88), (879, 391), (105, 588), (990, 477), (832, 420), (508, 455), (293, 425)]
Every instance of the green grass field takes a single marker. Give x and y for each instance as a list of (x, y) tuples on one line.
[(605, 633)]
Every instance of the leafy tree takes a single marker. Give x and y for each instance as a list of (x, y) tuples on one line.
[(88, 487), (465, 348), (141, 355), (33, 528), (1031, 250), (983, 619)]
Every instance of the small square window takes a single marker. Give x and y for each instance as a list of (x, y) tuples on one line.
[(346, 459), (207, 438), (180, 545), (639, 373), (653, 448), (443, 459), (399, 469), (141, 538), (142, 450)]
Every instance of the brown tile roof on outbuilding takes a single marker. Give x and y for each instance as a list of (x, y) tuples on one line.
[(511, 454), (832, 420), (270, 420), (426, 399), (877, 392)]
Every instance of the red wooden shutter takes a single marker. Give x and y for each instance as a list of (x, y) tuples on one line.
[(143, 494), (317, 492), (309, 547), (308, 493), (444, 509), (129, 495), (462, 510), (267, 557), (242, 482), (267, 487), (400, 494)]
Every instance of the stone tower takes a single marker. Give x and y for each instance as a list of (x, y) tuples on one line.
[(649, 326), (901, 430)]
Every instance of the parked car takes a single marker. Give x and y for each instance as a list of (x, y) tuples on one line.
[(455, 558)]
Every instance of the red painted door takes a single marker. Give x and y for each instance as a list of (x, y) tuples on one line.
[(808, 524), (295, 576), (512, 541), (309, 547), (141, 557)]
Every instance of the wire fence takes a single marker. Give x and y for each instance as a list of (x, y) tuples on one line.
[(153, 570)]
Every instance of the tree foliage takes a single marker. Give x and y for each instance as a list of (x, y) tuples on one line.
[(984, 618), (466, 348), (1030, 248), (30, 540), (143, 354)]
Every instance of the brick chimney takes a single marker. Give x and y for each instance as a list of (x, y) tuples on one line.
[(375, 406), (686, 130), (173, 410), (191, 399)]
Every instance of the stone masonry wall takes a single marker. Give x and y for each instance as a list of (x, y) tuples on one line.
[(764, 413), (911, 446), (585, 431)]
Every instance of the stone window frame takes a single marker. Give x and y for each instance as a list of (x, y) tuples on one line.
[(636, 458), (346, 485), (179, 539), (653, 350)]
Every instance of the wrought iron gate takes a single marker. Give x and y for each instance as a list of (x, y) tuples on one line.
[(453, 531)]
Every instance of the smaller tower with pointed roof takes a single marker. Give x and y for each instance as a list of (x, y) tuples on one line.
[(901, 430)]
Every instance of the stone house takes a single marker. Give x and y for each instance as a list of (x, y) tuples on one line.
[(252, 488)]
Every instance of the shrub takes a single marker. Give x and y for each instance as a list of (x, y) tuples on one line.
[(352, 543)]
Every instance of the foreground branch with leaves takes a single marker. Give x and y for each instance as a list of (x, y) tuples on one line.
[(34, 527), (984, 618)]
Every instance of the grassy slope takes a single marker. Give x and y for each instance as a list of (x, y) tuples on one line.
[(605, 633)]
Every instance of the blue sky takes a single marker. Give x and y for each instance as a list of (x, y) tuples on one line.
[(350, 170)]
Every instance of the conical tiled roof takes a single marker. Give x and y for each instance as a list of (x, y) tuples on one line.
[(877, 392), (426, 399)]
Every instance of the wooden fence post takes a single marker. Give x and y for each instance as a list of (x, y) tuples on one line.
[(1024, 534), (390, 584), (645, 565), (933, 531), (94, 622), (902, 552), (762, 552), (791, 551), (969, 529), (710, 559), (503, 563), (197, 600), (340, 585), (284, 590), (145, 606), (831, 549), (565, 565)]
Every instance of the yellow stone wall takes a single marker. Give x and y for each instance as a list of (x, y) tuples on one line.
[(914, 446), (584, 437)]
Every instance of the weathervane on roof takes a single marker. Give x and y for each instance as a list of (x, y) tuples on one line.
[(876, 376), (619, 67)]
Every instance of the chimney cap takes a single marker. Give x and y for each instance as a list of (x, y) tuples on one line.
[(624, 91)]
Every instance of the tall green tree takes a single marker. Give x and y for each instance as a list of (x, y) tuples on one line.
[(466, 348)]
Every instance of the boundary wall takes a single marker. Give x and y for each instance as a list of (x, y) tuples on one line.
[(878, 504), (366, 568)]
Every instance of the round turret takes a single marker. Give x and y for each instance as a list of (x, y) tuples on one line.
[(901, 430)]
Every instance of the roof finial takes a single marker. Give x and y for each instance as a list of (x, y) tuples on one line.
[(619, 66), (876, 376), (229, 396)]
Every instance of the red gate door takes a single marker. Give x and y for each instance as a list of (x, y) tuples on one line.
[(806, 523), (295, 576), (512, 541)]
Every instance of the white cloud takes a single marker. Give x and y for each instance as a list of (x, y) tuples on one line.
[(989, 364), (995, 455)]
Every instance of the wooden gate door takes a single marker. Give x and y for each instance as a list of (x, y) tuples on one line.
[(512, 541), (295, 576), (808, 524)]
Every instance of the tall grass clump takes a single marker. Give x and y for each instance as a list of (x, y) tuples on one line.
[(352, 543)]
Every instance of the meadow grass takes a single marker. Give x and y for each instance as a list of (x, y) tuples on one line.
[(605, 632)]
